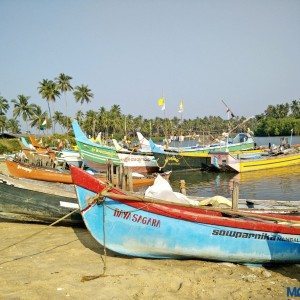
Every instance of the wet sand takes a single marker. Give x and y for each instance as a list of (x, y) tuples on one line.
[(51, 265)]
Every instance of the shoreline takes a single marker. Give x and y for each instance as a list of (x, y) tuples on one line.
[(52, 264)]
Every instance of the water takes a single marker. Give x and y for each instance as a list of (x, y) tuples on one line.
[(273, 184)]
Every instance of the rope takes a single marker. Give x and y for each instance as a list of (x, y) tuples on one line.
[(38, 232), (92, 277)]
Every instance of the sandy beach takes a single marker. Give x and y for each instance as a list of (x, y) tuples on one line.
[(52, 264)]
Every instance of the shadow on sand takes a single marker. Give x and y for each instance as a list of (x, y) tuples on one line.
[(291, 271)]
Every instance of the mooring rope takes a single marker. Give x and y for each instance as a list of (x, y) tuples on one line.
[(38, 232)]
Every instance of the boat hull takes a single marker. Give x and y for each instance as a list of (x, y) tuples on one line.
[(230, 148), (97, 156), (20, 170), (133, 232), (19, 203), (174, 161), (227, 161), (165, 230)]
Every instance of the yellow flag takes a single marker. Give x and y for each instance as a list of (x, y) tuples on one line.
[(161, 102), (180, 106)]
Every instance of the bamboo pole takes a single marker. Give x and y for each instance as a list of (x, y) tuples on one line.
[(182, 187), (117, 177), (107, 171), (124, 180), (235, 195), (111, 172), (130, 182)]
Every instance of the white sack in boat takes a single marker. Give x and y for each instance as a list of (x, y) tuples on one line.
[(161, 189)]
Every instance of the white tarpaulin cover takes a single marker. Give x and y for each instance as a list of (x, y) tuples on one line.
[(161, 189)]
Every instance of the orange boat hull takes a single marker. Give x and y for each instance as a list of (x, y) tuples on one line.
[(32, 172)]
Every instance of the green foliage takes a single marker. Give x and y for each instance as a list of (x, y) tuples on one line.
[(9, 145), (277, 127), (3, 149), (275, 120)]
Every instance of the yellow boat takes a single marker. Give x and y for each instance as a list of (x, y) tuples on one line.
[(241, 164), (257, 176)]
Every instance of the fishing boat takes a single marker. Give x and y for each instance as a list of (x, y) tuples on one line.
[(247, 163), (41, 149), (24, 200), (139, 227), (96, 155), (68, 156), (174, 161), (25, 144), (170, 161), (22, 170), (284, 173), (241, 142)]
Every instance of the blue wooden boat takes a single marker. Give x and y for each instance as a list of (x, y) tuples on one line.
[(167, 230), (96, 155)]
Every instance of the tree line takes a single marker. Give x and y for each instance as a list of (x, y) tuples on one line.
[(275, 120)]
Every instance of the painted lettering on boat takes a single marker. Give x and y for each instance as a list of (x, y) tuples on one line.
[(258, 236), (172, 161), (132, 158), (136, 218), (24, 169), (98, 151)]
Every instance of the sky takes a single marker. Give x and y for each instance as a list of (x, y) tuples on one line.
[(132, 52)]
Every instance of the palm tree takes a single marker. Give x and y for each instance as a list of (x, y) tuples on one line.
[(58, 118), (23, 108), (83, 94), (63, 84), (79, 116), (295, 108), (49, 91), (3, 123), (115, 118), (38, 118), (90, 123), (103, 116), (4, 106), (13, 126)]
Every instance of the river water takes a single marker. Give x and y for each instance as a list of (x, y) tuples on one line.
[(274, 184)]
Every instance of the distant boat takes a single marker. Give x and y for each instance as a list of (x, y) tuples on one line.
[(26, 200), (241, 142), (96, 156), (70, 157), (26, 145), (174, 161), (41, 149), (241, 163), (134, 226)]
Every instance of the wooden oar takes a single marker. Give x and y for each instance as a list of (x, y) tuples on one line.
[(222, 210)]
